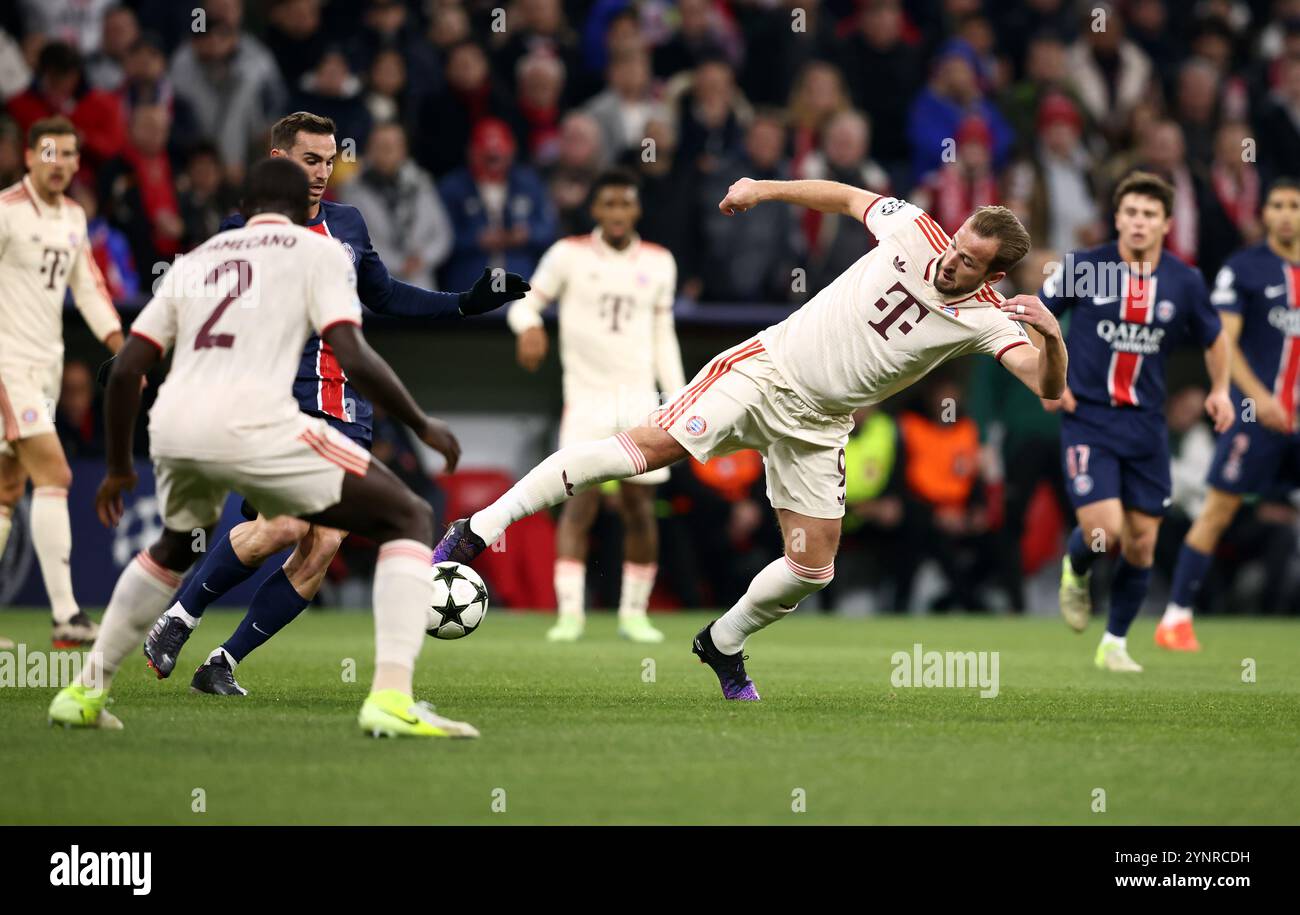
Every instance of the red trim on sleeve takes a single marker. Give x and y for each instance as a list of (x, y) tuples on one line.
[(868, 210), (326, 328), (1011, 345), (148, 339)]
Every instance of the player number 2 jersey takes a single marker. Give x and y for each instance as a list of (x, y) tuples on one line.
[(881, 324), (237, 311)]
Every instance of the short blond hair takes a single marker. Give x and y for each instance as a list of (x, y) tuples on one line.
[(1000, 223)]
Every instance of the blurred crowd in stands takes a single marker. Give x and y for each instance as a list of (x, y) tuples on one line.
[(470, 132)]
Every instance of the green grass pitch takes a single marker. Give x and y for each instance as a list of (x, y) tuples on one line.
[(605, 731)]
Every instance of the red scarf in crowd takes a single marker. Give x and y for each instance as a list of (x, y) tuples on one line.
[(153, 176), (1238, 192), (954, 195)]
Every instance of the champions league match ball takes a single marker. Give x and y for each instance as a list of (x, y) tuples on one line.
[(460, 601)]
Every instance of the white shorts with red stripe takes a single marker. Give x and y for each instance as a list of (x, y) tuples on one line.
[(296, 471), (740, 400), (32, 393)]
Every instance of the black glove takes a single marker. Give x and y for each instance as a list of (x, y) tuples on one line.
[(482, 297), (105, 369)]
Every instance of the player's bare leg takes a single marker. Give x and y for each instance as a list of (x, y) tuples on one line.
[(1097, 533), (571, 533), (382, 508), (807, 566), (233, 560), (144, 589), (43, 460), (640, 561), (12, 482), (561, 476), (1175, 630), (278, 601), (1132, 578)]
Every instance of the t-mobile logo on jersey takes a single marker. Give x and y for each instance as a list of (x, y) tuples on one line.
[(885, 323)]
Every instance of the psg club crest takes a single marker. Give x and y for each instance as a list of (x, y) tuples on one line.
[(1165, 311), (1082, 484), (347, 249), (696, 425)]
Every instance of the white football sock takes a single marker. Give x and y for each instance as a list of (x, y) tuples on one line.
[(52, 538), (142, 593), (403, 595), (1109, 639), (570, 587), (634, 595), (178, 611), (6, 522), (565, 473), (774, 592), (1175, 614)]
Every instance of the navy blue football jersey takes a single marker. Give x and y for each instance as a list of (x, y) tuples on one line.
[(1265, 290), (321, 386), (1123, 325)]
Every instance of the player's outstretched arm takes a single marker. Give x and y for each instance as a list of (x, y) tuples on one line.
[(1041, 370), (374, 377), (815, 194), (121, 407)]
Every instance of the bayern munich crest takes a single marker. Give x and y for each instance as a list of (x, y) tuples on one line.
[(696, 425), (29, 415), (1165, 311)]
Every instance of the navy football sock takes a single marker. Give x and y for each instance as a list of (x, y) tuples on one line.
[(274, 606), (220, 571), (1128, 590), (1189, 573), (1081, 555)]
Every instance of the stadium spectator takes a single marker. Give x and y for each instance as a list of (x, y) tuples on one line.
[(541, 89), (442, 129), (570, 177), (203, 194), (448, 26), (390, 25), (752, 259), (139, 193), (104, 68), (873, 507), (77, 23), (835, 242), (331, 90), (884, 72), (1054, 189), (667, 192), (1235, 180), (1021, 23), (388, 96), (818, 96), (146, 83), (951, 192), (499, 210), (78, 423), (777, 49), (109, 246), (12, 145), (711, 117), (952, 96), (408, 224), (946, 518), (1278, 123), (14, 72), (1108, 71), (60, 88), (704, 30), (1045, 75), (1148, 27), (540, 29), (623, 108), (1196, 109), (295, 37), (231, 82)]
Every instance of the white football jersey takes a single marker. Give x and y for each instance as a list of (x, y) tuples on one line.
[(43, 251), (615, 312), (881, 325), (238, 310)]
